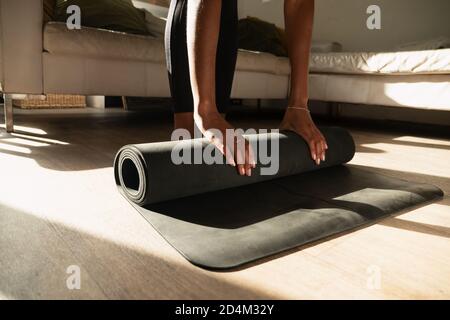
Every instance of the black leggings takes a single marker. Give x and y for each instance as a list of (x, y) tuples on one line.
[(177, 55)]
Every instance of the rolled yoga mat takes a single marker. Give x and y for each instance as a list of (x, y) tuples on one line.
[(217, 219)]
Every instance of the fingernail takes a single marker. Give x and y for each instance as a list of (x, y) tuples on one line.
[(249, 172), (323, 158), (314, 157), (242, 170)]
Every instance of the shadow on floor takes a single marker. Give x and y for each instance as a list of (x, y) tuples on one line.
[(80, 140), (84, 139), (35, 255), (431, 229)]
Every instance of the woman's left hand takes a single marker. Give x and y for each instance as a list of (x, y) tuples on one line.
[(300, 121)]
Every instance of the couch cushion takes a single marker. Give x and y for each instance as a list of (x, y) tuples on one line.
[(407, 62), (262, 62), (441, 42), (99, 43), (413, 90)]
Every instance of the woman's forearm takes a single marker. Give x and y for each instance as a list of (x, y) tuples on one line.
[(299, 18), (203, 26)]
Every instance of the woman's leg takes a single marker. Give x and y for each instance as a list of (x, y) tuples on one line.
[(299, 16), (203, 28), (178, 63), (227, 49)]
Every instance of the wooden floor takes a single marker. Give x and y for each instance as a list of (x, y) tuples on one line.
[(59, 207)]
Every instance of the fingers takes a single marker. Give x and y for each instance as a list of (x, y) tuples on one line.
[(325, 142), (234, 146), (222, 145), (244, 156), (228, 154), (324, 148), (320, 152), (318, 147), (248, 159), (240, 160), (313, 149), (252, 159), (238, 153)]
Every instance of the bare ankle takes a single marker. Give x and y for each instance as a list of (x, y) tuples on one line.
[(204, 109), (184, 120)]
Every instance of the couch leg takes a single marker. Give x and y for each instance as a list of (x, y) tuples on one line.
[(333, 109), (9, 117), (124, 103)]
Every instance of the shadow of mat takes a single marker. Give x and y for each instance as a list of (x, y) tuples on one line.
[(230, 228)]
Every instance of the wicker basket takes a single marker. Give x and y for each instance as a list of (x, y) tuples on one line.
[(52, 101)]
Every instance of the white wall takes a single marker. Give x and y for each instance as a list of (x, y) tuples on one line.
[(345, 21)]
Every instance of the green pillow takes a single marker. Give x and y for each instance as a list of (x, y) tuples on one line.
[(117, 15), (259, 35)]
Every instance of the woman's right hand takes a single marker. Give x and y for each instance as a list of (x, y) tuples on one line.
[(236, 149)]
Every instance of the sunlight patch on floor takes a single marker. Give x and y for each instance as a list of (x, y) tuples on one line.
[(12, 148), (27, 129), (435, 214), (423, 140), (45, 140), (25, 142), (405, 158)]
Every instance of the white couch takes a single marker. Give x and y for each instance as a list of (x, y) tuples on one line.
[(37, 59), (413, 79)]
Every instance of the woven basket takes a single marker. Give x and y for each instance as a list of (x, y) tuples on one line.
[(52, 101)]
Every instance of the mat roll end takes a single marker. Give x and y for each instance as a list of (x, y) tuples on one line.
[(130, 173)]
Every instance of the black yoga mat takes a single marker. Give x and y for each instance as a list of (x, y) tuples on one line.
[(217, 219)]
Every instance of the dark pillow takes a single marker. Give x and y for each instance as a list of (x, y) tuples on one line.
[(49, 10), (259, 35), (117, 15)]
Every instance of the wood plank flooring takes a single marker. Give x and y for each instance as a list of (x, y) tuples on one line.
[(59, 207)]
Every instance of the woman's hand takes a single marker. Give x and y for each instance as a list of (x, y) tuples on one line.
[(236, 149), (300, 121)]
